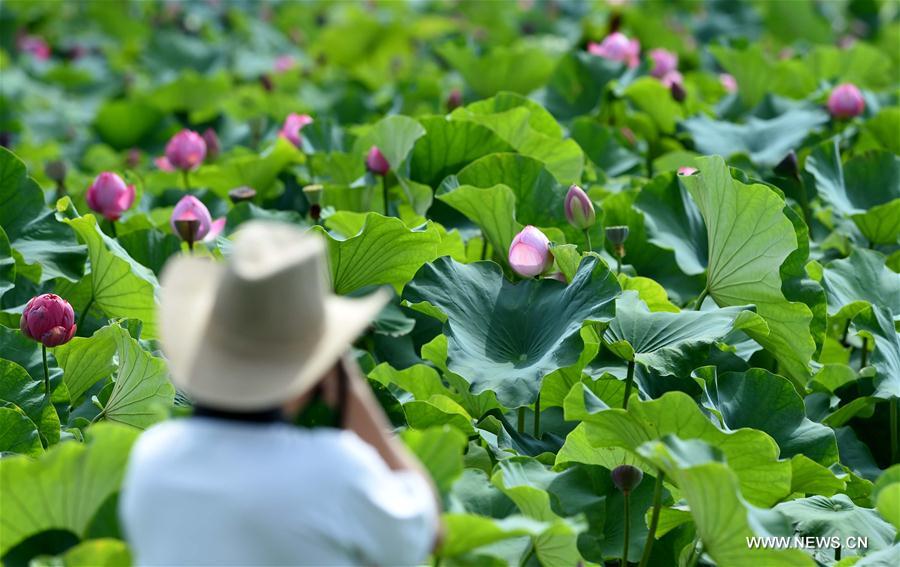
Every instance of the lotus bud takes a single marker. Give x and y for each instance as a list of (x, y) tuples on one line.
[(266, 82), (454, 100), (292, 126), (49, 320), (685, 170), (529, 253), (212, 143), (676, 88), (109, 195), (846, 101), (191, 220), (376, 162), (788, 166), (579, 208), (617, 47), (728, 82), (664, 62), (186, 150), (242, 193), (284, 63), (35, 46), (627, 478)]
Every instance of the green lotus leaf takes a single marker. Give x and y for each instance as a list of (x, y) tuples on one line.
[(758, 75), (120, 286), (491, 208), (865, 188), (25, 352), (751, 240), (18, 433), (86, 360), (496, 344), (31, 227), (468, 532), (888, 504), (141, 389), (64, 488), (651, 96), (123, 123), (101, 552), (440, 449), (877, 323), (766, 141), (18, 388), (650, 292), (851, 283), (751, 454), (384, 251), (150, 247), (520, 68), (862, 64), (259, 171), (809, 477), (577, 84), (395, 136), (604, 146), (448, 146), (881, 130), (7, 264)]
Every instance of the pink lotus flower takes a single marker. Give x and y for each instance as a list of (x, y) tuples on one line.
[(454, 100), (579, 208), (292, 126), (687, 170), (49, 320), (284, 63), (671, 79), (35, 46), (193, 223), (729, 82), (529, 253), (109, 195), (846, 101), (162, 162), (664, 62), (617, 47), (186, 150), (376, 162)]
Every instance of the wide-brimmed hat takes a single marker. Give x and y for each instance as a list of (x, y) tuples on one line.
[(263, 327)]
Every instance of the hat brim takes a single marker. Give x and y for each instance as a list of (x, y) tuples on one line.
[(246, 381)]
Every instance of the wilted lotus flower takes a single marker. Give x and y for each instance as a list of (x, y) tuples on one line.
[(49, 320), (729, 82), (664, 62), (186, 150), (617, 47), (192, 222), (212, 143), (627, 478), (109, 195), (685, 170), (846, 101), (529, 253), (454, 100), (579, 208), (376, 162), (35, 46), (292, 126)]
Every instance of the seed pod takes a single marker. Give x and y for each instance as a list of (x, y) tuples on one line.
[(627, 478), (242, 193)]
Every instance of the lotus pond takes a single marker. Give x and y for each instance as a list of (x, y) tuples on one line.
[(644, 257)]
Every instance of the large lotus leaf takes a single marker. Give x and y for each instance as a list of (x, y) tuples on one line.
[(86, 360), (520, 68), (395, 136), (673, 221), (766, 141), (750, 239), (723, 519), (862, 278), (866, 188), (877, 323), (738, 396), (888, 503), (493, 209), (18, 433), (577, 84), (539, 118), (440, 449), (605, 146), (31, 227), (674, 344), (17, 387), (384, 251), (652, 97), (102, 552), (448, 146), (506, 336), (259, 171), (879, 132), (141, 391), (7, 264), (750, 453), (26, 353), (838, 516), (121, 287), (862, 64), (65, 488), (468, 532)]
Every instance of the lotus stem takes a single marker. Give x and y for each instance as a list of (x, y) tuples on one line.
[(537, 417), (84, 311), (186, 177), (521, 425), (484, 246), (893, 411), (46, 373), (695, 554), (112, 229), (654, 518), (629, 381), (587, 239), (627, 530), (804, 204), (864, 355), (384, 195), (700, 299)]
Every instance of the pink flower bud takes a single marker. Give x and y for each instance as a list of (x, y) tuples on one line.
[(191, 219), (529, 253), (728, 82), (162, 162), (846, 101), (284, 63), (454, 100), (212, 143), (672, 79), (664, 62), (109, 196), (687, 170), (617, 47), (186, 150), (376, 162), (579, 208), (35, 46), (49, 320), (292, 126)]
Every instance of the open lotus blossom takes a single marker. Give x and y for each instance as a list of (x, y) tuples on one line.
[(687, 170), (617, 47), (193, 223), (49, 320), (284, 63), (529, 253), (664, 62), (846, 101), (292, 126), (186, 150), (579, 209), (376, 162), (729, 82), (109, 195), (35, 46)]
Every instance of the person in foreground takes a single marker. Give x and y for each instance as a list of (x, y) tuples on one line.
[(251, 341)]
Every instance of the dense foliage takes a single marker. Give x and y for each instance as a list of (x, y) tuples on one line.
[(715, 305)]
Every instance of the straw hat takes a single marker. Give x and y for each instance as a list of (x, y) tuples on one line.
[(253, 332)]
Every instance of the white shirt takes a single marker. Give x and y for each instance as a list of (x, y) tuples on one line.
[(202, 491)]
